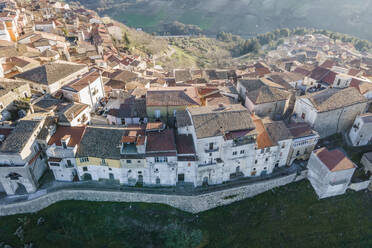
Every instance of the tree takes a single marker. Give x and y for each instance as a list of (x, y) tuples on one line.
[(126, 39)]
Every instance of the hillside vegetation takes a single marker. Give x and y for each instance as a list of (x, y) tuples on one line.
[(289, 216), (242, 17)]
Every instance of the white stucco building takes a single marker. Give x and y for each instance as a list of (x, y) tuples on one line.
[(360, 133), (330, 172), (87, 89), (330, 111), (62, 148), (21, 161)]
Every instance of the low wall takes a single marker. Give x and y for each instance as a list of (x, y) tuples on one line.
[(192, 204), (359, 186)]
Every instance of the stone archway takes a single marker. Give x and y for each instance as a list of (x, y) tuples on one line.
[(21, 189), (87, 177)]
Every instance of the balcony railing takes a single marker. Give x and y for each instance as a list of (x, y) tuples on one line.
[(207, 150), (211, 163)]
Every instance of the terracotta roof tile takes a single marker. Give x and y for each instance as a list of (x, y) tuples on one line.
[(75, 133), (334, 160)]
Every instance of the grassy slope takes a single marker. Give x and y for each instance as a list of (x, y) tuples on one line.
[(290, 216)]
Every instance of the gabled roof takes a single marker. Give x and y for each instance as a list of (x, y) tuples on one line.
[(334, 160), (330, 78), (164, 141), (19, 137), (69, 111), (214, 121), (75, 133), (131, 108), (263, 139), (254, 84), (83, 82), (319, 73), (50, 73), (267, 94), (332, 98), (8, 85), (299, 130), (172, 97), (185, 144), (277, 130), (101, 143)]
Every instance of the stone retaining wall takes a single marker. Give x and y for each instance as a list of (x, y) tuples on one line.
[(192, 204), (360, 186)]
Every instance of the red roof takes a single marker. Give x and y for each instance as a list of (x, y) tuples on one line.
[(328, 64), (76, 134), (161, 142), (319, 73), (334, 160), (330, 78)]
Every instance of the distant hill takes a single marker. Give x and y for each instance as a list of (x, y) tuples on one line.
[(243, 17)]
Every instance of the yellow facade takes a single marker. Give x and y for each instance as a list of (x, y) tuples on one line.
[(112, 163)]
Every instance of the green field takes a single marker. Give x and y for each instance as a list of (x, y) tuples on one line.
[(290, 216)]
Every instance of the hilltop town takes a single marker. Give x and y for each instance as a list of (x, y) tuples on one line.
[(76, 106)]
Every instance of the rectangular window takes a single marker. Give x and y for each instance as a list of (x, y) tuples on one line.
[(84, 160), (103, 162), (161, 159), (69, 164), (235, 153), (242, 152), (211, 146), (303, 116), (85, 169), (64, 145), (157, 113), (54, 164), (129, 161)]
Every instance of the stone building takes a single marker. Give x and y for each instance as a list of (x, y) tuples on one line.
[(224, 140), (330, 172), (161, 157), (11, 90), (50, 77), (264, 98), (98, 155), (330, 111), (163, 104), (273, 144), (87, 89), (73, 114), (186, 160), (133, 156), (360, 133), (366, 161), (132, 111), (303, 143), (62, 148), (21, 162)]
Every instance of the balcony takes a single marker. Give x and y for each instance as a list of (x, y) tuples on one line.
[(211, 163), (212, 150)]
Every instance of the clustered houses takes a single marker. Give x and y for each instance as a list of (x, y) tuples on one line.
[(73, 102)]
